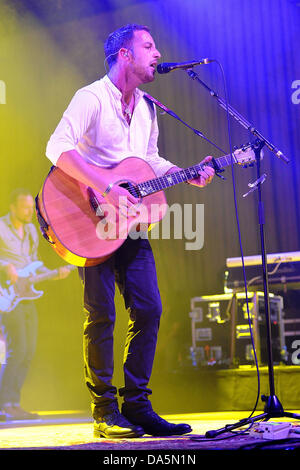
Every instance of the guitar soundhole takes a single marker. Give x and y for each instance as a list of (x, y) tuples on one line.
[(132, 189)]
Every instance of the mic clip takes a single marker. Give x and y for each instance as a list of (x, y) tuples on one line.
[(254, 185)]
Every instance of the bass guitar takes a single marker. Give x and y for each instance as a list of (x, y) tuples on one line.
[(84, 230), (23, 288)]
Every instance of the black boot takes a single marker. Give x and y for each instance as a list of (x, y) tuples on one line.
[(115, 426), (152, 423)]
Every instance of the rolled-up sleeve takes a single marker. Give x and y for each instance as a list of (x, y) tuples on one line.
[(76, 120)]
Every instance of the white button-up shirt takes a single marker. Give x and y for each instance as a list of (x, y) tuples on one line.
[(94, 125)]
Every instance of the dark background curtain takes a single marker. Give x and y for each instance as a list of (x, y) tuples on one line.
[(50, 49)]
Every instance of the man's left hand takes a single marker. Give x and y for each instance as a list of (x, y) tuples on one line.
[(205, 177)]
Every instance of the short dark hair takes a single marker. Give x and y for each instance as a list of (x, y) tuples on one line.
[(122, 37), (19, 192)]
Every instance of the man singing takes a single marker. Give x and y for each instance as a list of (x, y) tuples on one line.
[(104, 123)]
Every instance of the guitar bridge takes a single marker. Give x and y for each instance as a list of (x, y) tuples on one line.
[(95, 203)]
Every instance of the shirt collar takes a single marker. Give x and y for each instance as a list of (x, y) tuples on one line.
[(12, 227), (138, 94)]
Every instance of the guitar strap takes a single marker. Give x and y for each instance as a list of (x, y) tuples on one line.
[(152, 100), (42, 223), (32, 242)]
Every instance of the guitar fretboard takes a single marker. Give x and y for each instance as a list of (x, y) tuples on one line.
[(157, 184)]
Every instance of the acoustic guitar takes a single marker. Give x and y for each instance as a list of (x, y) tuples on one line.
[(85, 230)]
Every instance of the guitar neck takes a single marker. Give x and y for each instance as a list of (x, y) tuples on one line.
[(44, 276), (181, 176), (48, 275)]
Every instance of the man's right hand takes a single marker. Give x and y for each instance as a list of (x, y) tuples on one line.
[(11, 273), (120, 198)]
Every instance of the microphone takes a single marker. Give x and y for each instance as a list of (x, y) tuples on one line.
[(169, 67)]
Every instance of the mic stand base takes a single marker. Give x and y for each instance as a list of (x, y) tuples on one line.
[(273, 409)]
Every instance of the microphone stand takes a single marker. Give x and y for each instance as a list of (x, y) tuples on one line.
[(273, 407)]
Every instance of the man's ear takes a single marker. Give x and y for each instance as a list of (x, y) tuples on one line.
[(123, 52)]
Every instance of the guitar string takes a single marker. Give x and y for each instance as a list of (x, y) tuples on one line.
[(165, 181), (158, 184)]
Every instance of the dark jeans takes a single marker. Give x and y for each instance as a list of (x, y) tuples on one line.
[(20, 332), (132, 267)]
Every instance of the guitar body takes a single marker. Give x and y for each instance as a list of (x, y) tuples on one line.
[(84, 234), (85, 230)]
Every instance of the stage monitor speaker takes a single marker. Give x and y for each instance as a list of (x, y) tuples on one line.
[(221, 335)]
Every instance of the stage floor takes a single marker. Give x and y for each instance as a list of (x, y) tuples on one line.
[(74, 431)]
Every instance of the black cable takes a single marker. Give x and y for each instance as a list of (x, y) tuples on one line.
[(275, 444)]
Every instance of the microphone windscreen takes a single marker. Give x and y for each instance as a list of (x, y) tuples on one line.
[(162, 68)]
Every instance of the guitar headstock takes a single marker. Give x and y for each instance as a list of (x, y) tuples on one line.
[(245, 155)]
